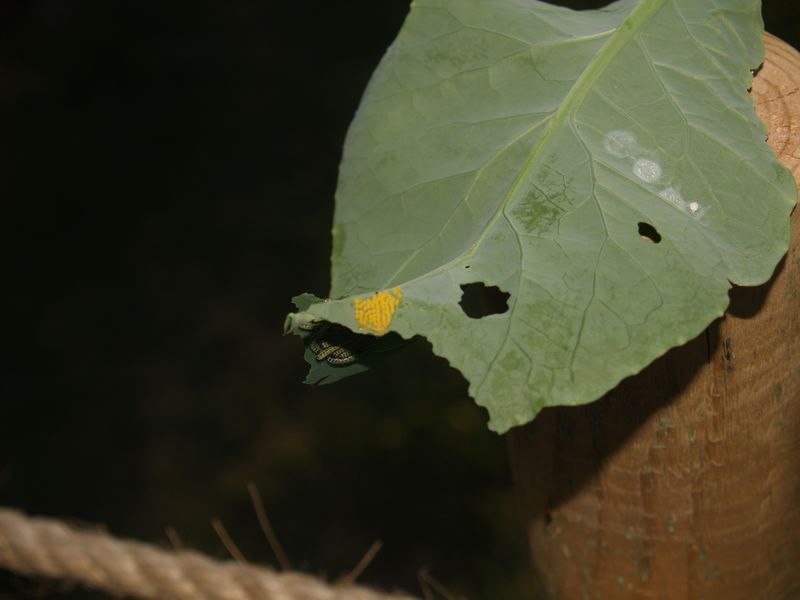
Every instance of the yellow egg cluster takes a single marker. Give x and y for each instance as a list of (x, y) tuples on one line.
[(375, 313)]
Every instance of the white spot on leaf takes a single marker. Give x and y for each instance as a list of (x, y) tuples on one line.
[(620, 143), (675, 198), (647, 170)]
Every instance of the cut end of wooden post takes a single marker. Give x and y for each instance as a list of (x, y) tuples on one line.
[(776, 91)]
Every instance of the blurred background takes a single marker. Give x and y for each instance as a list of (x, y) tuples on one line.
[(168, 171)]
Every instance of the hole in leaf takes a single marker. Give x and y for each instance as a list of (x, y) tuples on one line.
[(580, 4), (480, 300), (649, 232)]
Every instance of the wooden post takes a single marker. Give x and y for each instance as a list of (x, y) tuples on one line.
[(684, 481)]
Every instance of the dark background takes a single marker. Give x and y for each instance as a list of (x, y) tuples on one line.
[(167, 176)]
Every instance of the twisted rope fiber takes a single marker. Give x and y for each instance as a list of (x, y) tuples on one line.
[(49, 548)]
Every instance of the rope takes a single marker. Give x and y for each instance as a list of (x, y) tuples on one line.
[(48, 548)]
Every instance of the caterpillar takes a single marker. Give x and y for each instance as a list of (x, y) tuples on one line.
[(332, 353)]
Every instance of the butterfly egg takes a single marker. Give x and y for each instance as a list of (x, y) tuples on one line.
[(375, 313)]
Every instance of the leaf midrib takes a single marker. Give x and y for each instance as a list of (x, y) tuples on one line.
[(628, 29)]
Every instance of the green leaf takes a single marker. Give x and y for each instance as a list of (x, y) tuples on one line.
[(534, 148), (366, 351)]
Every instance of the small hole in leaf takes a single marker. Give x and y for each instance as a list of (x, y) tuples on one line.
[(580, 5), (480, 300), (467, 267), (649, 232)]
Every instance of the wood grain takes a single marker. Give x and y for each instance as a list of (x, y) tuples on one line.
[(684, 481)]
